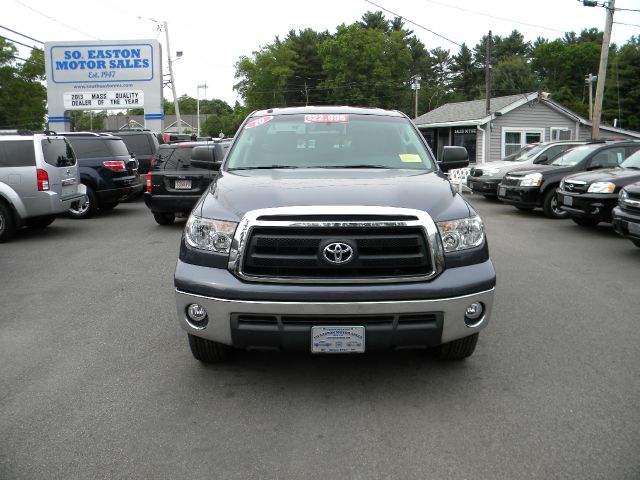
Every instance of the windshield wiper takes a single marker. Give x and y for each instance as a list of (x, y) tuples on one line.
[(352, 166), (264, 167)]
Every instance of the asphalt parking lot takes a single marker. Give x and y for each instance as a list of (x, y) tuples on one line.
[(97, 380)]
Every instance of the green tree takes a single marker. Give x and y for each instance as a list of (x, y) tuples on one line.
[(22, 95), (88, 120), (513, 75), (467, 78)]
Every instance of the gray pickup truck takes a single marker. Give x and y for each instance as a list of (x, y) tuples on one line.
[(333, 230)]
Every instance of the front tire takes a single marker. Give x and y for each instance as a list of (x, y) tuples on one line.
[(7, 225), (551, 207), (458, 349), (585, 222), (86, 207), (163, 218), (38, 223), (207, 351)]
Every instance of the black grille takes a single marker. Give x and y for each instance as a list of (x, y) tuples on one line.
[(252, 320), (575, 187), (631, 208), (510, 181), (298, 252)]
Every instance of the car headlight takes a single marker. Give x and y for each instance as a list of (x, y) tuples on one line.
[(601, 187), (562, 184), (210, 235), (490, 171), (623, 196), (461, 234), (531, 180)]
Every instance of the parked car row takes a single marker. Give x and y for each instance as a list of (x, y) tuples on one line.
[(589, 182), (78, 173)]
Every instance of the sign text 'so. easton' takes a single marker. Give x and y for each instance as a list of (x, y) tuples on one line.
[(102, 63)]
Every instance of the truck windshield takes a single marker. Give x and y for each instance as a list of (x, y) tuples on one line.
[(632, 162), (329, 140), (524, 153)]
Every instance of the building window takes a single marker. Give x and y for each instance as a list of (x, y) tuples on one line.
[(560, 133), (513, 139), (466, 137)]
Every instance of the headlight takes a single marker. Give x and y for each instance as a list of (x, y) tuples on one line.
[(490, 171), (207, 234), (623, 195), (601, 187), (461, 234), (531, 180)]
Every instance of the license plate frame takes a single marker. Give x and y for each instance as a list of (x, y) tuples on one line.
[(181, 184), (567, 200), (337, 339), (634, 228), (502, 191)]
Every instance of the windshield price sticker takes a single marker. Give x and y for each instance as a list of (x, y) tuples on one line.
[(326, 118), (258, 121)]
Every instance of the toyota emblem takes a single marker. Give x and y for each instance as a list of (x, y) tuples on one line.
[(338, 253)]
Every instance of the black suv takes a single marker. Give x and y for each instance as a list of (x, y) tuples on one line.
[(536, 186), (179, 175), (108, 171), (626, 216), (143, 144), (591, 196)]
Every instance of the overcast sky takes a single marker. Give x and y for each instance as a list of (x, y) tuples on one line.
[(213, 35)]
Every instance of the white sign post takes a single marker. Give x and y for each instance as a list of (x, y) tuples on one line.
[(104, 75)]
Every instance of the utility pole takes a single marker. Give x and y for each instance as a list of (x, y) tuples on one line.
[(487, 73), (203, 85), (589, 80), (602, 70), (173, 83), (415, 85)]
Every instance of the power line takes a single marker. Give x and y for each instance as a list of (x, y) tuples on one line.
[(19, 43), (494, 16), (54, 20), (26, 60), (414, 23), (627, 24), (21, 34)]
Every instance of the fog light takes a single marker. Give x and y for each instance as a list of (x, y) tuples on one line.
[(474, 314), (197, 315)]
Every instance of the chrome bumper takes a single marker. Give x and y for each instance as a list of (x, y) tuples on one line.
[(220, 310)]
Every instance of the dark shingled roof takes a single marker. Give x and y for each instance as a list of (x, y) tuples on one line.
[(466, 111)]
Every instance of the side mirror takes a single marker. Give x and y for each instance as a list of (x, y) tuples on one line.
[(203, 157), (453, 157), (541, 160)]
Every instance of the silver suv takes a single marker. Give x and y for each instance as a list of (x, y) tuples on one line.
[(39, 178)]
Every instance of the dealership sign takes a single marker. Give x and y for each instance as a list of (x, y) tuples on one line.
[(104, 75)]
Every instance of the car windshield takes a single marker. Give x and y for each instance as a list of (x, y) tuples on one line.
[(574, 155), (515, 156), (633, 161), (527, 153), (329, 140)]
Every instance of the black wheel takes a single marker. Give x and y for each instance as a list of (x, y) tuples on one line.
[(458, 349), (636, 243), (585, 222), (551, 207), (208, 351), (86, 207), (108, 206), (164, 218), (525, 209), (7, 225), (40, 222)]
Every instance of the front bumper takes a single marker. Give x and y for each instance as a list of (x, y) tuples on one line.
[(596, 206), (436, 308), (626, 223), (170, 203), (519, 196), (483, 185)]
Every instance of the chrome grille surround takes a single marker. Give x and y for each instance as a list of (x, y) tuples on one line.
[(253, 219)]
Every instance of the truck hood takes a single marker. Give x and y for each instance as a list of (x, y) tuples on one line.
[(614, 175), (521, 172), (232, 194)]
